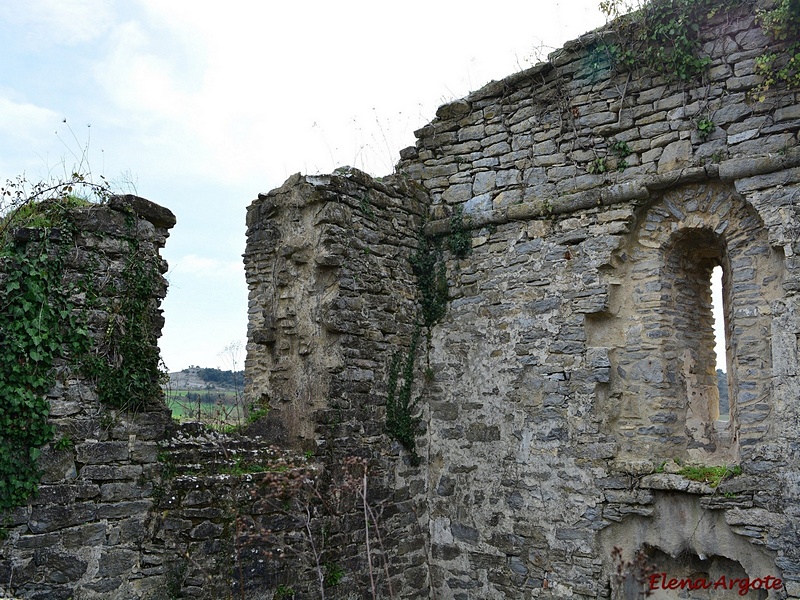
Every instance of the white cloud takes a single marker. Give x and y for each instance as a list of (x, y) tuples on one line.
[(24, 125), (136, 78), (260, 89), (25, 120), (68, 22)]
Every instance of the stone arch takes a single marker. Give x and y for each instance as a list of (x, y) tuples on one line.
[(661, 400), (682, 540)]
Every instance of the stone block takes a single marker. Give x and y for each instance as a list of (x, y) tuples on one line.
[(676, 155), (119, 510), (479, 432), (57, 465), (117, 561), (497, 149), (464, 533), (53, 517), (60, 568), (99, 472), (457, 194), (93, 452)]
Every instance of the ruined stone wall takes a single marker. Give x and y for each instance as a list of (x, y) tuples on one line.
[(571, 378), (332, 300), (88, 532), (575, 364)]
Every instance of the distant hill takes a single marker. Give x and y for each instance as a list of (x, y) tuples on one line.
[(201, 378)]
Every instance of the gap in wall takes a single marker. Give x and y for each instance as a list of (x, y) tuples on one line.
[(720, 345)]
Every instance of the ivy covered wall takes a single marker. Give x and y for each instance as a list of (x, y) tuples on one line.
[(81, 409)]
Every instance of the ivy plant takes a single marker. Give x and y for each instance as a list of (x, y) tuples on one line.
[(38, 325), (402, 421), (661, 37), (782, 24), (428, 267), (124, 365)]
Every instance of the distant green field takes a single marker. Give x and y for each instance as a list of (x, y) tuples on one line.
[(216, 406)]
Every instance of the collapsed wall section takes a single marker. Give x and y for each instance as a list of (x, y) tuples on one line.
[(332, 301)]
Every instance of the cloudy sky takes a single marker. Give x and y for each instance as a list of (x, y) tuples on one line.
[(201, 105)]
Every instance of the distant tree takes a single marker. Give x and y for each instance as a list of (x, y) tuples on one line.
[(722, 384), (220, 377)]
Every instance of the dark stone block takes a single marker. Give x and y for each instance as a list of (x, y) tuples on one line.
[(445, 552), (478, 432), (60, 568), (105, 585), (50, 518), (264, 337), (116, 561), (91, 534), (515, 501), (124, 491), (446, 486), (102, 220), (102, 452), (206, 530), (118, 510), (54, 494), (145, 452), (20, 573), (44, 592), (464, 533), (110, 472), (57, 465), (26, 234), (150, 211)]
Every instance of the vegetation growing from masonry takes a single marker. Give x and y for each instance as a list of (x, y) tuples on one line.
[(36, 321), (781, 23), (39, 325), (460, 239), (705, 127), (660, 36), (619, 151), (663, 37), (402, 420), (428, 266), (713, 476), (125, 365)]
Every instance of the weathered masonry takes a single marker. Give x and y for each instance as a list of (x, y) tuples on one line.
[(572, 377), (496, 366), (92, 530)]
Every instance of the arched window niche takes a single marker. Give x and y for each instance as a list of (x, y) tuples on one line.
[(691, 257), (661, 399)]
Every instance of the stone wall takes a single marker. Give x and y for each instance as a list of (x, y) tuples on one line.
[(571, 379), (87, 534), (576, 361), (332, 299), (561, 395)]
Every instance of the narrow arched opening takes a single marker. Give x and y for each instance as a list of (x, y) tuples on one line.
[(698, 264)]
